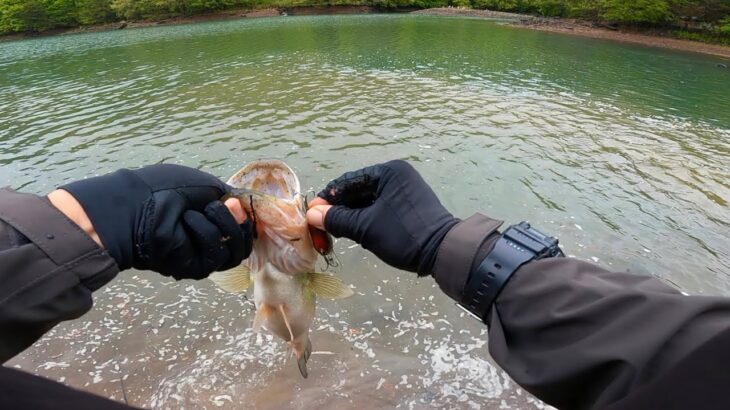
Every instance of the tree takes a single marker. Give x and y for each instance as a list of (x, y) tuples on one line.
[(136, 9), (94, 11), (61, 13), (505, 5), (23, 15), (636, 11)]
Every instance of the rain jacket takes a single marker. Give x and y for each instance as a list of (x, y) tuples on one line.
[(573, 334)]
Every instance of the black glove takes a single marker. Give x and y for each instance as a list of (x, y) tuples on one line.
[(391, 211), (166, 218)]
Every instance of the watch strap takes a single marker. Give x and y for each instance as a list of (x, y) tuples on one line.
[(491, 275), (518, 245)]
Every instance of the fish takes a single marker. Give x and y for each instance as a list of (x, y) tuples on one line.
[(282, 262)]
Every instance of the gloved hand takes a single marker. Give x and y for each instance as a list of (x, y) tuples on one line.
[(167, 218), (388, 209)]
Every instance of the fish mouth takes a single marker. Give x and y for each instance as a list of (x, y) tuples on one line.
[(269, 176)]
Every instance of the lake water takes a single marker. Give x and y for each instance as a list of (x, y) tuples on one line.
[(621, 151)]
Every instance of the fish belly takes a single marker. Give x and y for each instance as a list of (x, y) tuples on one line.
[(289, 303), (285, 307)]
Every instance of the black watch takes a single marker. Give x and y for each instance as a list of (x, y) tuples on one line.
[(518, 245)]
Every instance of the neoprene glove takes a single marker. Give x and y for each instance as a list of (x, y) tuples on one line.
[(167, 218), (391, 211)]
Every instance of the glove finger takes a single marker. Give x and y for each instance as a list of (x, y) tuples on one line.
[(341, 221), (238, 238), (355, 189), (211, 251)]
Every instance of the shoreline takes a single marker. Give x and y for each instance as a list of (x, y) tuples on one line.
[(583, 28), (574, 27)]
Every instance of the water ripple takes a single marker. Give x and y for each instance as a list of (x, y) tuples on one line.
[(621, 151)]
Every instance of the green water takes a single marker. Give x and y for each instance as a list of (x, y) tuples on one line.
[(620, 150)]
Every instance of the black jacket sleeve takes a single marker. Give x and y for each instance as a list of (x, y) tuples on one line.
[(48, 269), (574, 334)]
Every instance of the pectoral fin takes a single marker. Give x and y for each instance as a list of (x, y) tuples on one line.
[(235, 280), (328, 286)]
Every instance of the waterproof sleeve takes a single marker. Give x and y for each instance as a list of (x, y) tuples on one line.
[(576, 335), (48, 269)]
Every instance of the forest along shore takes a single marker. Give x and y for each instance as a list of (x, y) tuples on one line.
[(232, 14), (568, 26), (119, 25), (585, 28)]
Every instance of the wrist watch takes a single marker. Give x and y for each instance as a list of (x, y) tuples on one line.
[(518, 245)]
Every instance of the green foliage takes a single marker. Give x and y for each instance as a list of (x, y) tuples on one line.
[(621, 11), (636, 11), (23, 15), (724, 26), (94, 12), (61, 13), (503, 5), (40, 15), (553, 8), (584, 8), (460, 3), (144, 9), (156, 9), (197, 6), (704, 10), (704, 37), (393, 4), (133, 9)]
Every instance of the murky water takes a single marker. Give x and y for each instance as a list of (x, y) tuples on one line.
[(621, 151)]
